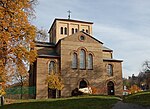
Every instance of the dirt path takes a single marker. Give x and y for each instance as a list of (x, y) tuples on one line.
[(121, 105)]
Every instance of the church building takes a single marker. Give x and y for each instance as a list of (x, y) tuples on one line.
[(82, 61)]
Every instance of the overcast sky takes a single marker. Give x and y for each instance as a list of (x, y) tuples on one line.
[(122, 25)]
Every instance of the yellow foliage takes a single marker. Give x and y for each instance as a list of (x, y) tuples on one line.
[(134, 89), (2, 92), (16, 36), (54, 81)]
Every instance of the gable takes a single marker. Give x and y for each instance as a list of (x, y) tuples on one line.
[(81, 37)]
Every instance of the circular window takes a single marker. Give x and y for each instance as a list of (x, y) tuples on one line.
[(82, 38)]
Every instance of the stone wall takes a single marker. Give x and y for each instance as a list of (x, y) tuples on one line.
[(72, 77)]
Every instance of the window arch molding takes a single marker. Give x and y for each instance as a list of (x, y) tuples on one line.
[(89, 52), (78, 50), (107, 81), (83, 79), (74, 51)]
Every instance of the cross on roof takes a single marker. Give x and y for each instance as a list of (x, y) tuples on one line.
[(69, 14)]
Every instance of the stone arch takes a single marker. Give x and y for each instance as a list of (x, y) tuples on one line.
[(110, 88), (82, 83)]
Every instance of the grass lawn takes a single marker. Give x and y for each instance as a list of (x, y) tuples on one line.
[(142, 98), (83, 102)]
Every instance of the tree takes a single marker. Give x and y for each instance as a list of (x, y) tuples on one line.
[(16, 37), (41, 35), (146, 67), (54, 81), (22, 79), (144, 76), (134, 89)]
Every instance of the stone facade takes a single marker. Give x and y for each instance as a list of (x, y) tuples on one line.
[(60, 50)]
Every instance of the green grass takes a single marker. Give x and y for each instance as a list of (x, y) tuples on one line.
[(84, 102), (142, 98)]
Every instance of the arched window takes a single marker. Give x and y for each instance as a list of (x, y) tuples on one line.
[(90, 61), (74, 60), (87, 31), (110, 69), (83, 30), (72, 30), (61, 30), (76, 30), (82, 59), (52, 67), (83, 84), (65, 31)]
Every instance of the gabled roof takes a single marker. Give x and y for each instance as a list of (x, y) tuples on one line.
[(112, 60), (70, 20), (47, 53), (49, 56), (106, 49), (44, 44), (85, 34)]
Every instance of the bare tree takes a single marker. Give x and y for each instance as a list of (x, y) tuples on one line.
[(42, 35), (146, 66), (144, 75)]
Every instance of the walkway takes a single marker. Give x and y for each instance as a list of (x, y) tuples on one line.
[(121, 105)]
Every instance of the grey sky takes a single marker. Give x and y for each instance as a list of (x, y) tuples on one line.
[(122, 25)]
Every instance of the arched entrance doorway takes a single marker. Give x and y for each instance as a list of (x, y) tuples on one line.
[(83, 84), (110, 88)]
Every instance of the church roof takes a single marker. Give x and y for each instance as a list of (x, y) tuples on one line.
[(107, 49), (44, 44), (86, 34), (112, 60), (49, 54), (70, 20), (92, 37)]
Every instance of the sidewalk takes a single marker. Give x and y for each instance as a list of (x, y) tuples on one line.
[(121, 105)]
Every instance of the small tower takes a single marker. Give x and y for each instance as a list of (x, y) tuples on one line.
[(65, 27)]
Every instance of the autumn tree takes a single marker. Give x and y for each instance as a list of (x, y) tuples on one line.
[(17, 36), (54, 81), (42, 35), (134, 89)]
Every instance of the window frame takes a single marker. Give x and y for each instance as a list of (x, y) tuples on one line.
[(87, 31), (72, 30), (82, 59), (52, 67), (90, 62), (74, 61), (110, 69), (65, 30), (61, 30), (76, 30)]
